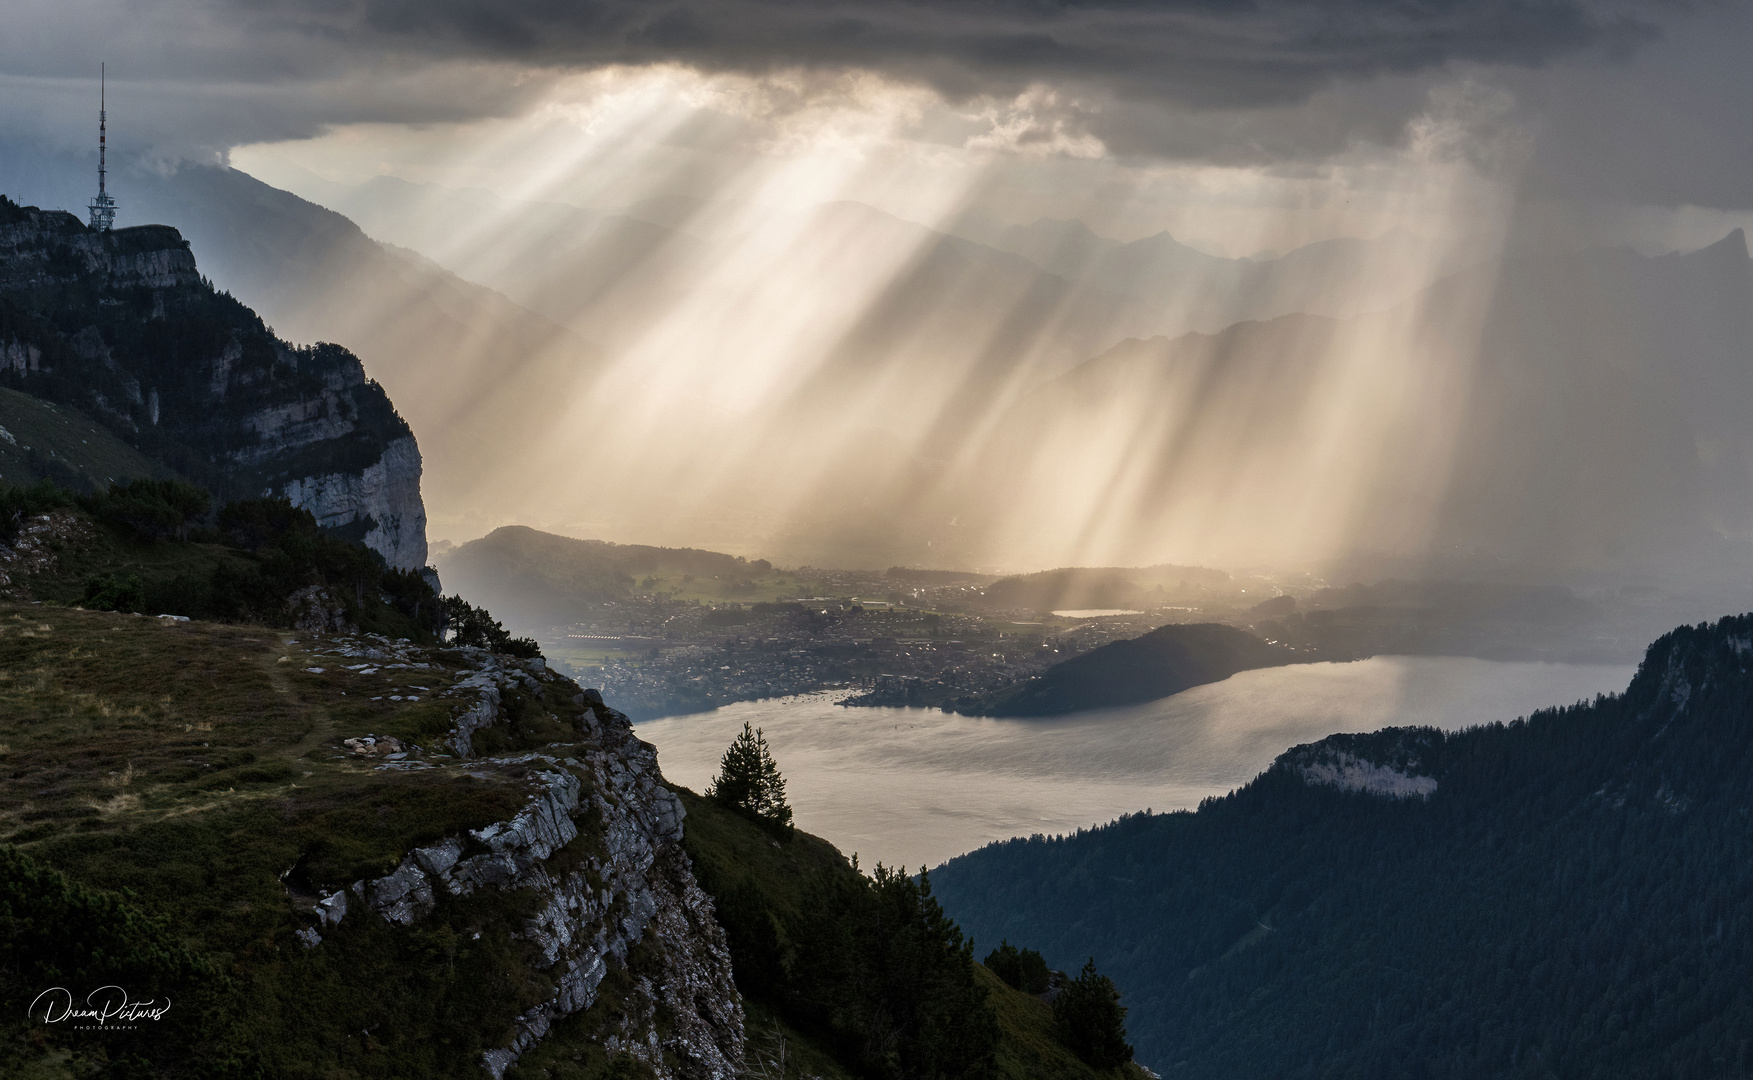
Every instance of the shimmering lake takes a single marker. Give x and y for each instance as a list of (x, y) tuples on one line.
[(1094, 613), (917, 786)]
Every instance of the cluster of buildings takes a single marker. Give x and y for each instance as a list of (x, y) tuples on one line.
[(656, 657)]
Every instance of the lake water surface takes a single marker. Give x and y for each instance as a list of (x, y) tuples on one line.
[(917, 786), (1094, 613)]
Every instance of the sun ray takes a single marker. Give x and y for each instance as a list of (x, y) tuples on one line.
[(781, 309)]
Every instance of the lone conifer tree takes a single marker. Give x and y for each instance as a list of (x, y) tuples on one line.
[(749, 781), (1091, 1020)]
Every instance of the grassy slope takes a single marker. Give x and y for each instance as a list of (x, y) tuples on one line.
[(195, 764), (730, 852), (54, 441), (1028, 1049)]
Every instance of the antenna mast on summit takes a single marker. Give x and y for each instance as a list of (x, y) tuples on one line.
[(103, 208)]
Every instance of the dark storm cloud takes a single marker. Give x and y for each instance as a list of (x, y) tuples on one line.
[(1669, 127), (1210, 53), (1231, 81)]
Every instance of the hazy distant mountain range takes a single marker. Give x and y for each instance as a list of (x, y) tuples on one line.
[(1575, 414), (953, 332), (1566, 413), (1013, 394), (538, 581), (579, 266)]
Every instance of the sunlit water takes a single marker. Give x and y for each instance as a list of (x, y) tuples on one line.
[(1094, 613), (917, 786)]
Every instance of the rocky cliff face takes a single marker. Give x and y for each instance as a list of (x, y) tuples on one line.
[(384, 859), (49, 249), (599, 843), (384, 496), (1391, 764), (121, 326)]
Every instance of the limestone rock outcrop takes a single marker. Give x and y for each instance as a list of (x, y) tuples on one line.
[(47, 249), (1391, 764), (385, 493), (599, 842)]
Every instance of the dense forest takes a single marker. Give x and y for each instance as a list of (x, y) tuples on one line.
[(166, 547), (1569, 894)]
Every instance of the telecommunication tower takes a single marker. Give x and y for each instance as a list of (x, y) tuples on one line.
[(103, 208)]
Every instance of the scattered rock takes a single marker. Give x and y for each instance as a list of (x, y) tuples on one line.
[(374, 746), (34, 549), (332, 908)]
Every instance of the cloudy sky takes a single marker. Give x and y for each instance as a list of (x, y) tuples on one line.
[(1243, 127), (1633, 101)]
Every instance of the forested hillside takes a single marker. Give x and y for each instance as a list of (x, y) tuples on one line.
[(863, 975), (540, 578), (1569, 894), (1165, 661)]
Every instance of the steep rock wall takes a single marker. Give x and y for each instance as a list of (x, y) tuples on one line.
[(191, 377), (46, 249), (385, 495), (599, 841)]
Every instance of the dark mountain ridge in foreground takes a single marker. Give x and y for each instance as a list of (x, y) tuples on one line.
[(342, 855), (313, 275), (1569, 894)]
